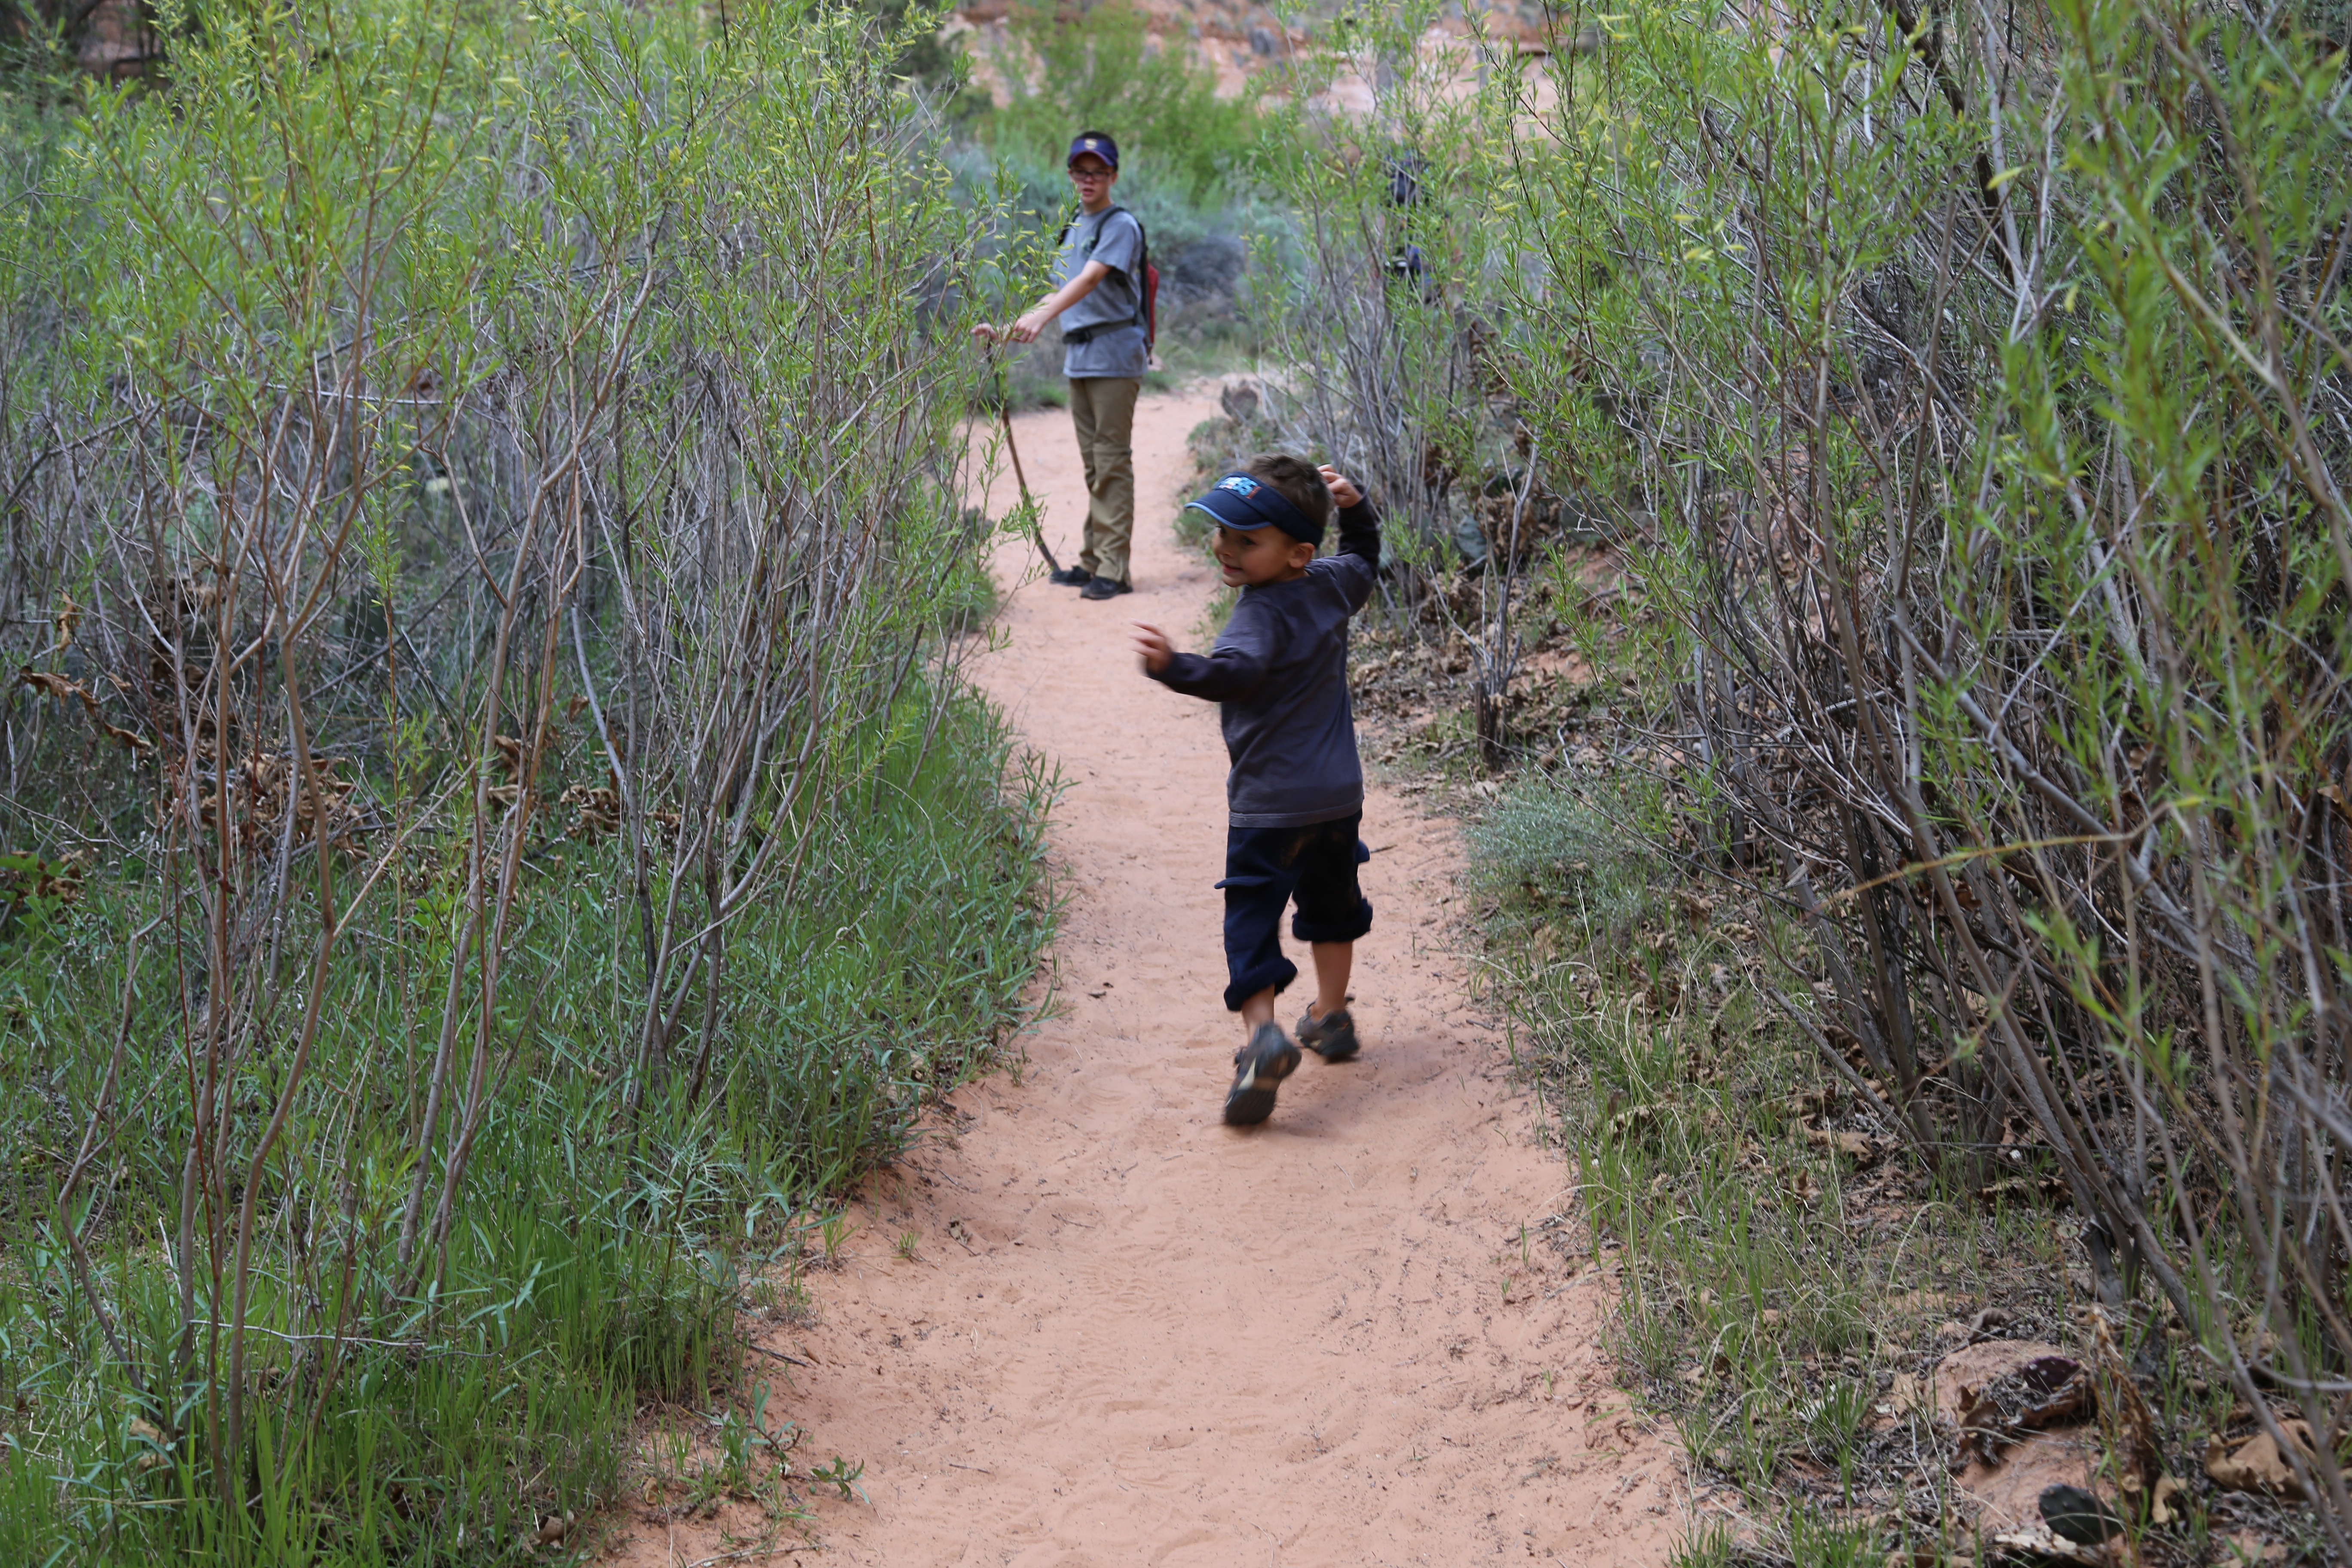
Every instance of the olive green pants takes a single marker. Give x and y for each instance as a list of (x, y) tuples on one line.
[(1103, 409)]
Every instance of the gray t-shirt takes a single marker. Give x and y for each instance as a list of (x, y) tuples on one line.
[(1113, 237)]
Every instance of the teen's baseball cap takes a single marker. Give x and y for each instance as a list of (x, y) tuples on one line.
[(1094, 142), (1246, 503)]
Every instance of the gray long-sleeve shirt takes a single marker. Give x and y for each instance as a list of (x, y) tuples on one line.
[(1280, 671)]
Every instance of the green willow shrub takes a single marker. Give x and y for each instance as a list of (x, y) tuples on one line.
[(1388, 313), (1377, 317), (1094, 65), (1976, 399), (484, 537)]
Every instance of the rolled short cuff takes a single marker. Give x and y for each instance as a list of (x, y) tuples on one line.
[(1305, 929), (1257, 978)]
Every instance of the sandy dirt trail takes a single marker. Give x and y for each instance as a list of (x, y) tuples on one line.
[(1129, 1335)]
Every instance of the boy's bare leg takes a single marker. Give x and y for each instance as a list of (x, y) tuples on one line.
[(1334, 961)]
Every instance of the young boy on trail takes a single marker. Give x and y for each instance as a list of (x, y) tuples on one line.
[(1098, 293), (1295, 797)]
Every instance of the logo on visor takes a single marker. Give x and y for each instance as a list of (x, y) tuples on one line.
[(1240, 485)]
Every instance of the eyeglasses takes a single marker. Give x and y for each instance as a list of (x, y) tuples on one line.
[(1092, 173)]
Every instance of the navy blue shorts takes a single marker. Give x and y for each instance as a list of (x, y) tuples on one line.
[(1265, 867)]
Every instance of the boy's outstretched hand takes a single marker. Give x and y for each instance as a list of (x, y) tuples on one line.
[(1344, 493), (1153, 645)]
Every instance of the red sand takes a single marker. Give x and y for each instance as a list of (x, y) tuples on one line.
[(1129, 1334)]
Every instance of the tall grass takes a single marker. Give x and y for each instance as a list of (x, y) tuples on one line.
[(600, 1255), (507, 836)]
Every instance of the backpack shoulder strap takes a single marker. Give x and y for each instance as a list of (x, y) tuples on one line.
[(1143, 261), (1141, 234)]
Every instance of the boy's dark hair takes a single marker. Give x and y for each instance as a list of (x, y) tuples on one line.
[(1297, 480)]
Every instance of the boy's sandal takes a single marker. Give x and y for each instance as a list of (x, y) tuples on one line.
[(1331, 1037), (1258, 1069)]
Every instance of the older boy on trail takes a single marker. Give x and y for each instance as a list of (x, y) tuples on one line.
[(1099, 295), (1295, 797)]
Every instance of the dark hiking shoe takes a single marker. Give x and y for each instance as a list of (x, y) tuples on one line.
[(1331, 1037), (1071, 577), (1258, 1068), (1104, 588)]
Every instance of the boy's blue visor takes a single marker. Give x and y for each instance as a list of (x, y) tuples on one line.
[(1246, 503)]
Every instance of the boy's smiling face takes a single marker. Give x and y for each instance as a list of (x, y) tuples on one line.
[(1261, 555)]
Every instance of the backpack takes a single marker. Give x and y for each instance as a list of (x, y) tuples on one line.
[(1147, 310)]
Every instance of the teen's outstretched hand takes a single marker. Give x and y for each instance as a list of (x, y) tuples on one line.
[(1153, 645), (1344, 493)]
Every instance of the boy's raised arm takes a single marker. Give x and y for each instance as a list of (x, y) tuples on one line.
[(1360, 532), (1360, 525), (1359, 549)]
